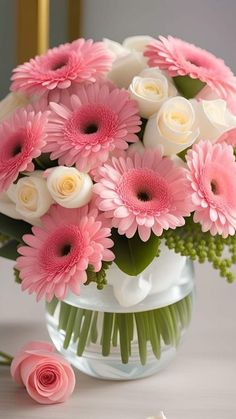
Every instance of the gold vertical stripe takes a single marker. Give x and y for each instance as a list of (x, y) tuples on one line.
[(74, 19), (43, 26), (32, 28)]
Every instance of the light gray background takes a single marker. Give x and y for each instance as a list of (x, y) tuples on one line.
[(201, 383), (208, 23)]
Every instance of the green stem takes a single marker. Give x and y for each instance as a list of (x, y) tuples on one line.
[(124, 337), (70, 327), (6, 356), (78, 322), (142, 342), (94, 330), (154, 335), (106, 333), (63, 316), (51, 307), (115, 332), (84, 332), (5, 363)]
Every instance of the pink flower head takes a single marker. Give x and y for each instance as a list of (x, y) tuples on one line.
[(212, 174), (85, 128), (61, 66), (145, 193), (22, 138), (57, 255), (180, 58), (228, 137), (47, 376)]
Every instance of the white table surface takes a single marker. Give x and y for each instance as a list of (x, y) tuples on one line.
[(199, 384)]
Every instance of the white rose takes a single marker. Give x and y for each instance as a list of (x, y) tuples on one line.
[(125, 68), (8, 207), (115, 48), (173, 126), (31, 197), (213, 118), (137, 43), (137, 147), (155, 72), (69, 187), (10, 103), (150, 92)]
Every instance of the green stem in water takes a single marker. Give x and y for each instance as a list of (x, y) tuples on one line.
[(84, 332), (70, 327), (106, 333), (142, 341), (124, 337)]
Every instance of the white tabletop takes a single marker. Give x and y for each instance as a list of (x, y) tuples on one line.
[(199, 384)]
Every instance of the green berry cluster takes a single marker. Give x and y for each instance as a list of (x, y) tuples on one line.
[(98, 277), (190, 241)]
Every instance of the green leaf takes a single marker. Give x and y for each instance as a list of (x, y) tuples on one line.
[(187, 86), (133, 255), (9, 250), (14, 228), (44, 162)]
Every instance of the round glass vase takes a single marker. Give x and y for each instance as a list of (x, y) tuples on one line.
[(108, 341)]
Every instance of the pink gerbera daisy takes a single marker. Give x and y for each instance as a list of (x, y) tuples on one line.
[(61, 66), (145, 193), (180, 58), (57, 255), (95, 121), (228, 137), (22, 138), (212, 174)]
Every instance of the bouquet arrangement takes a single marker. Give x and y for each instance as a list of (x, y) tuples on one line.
[(108, 151)]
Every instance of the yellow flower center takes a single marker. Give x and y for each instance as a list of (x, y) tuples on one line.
[(70, 183), (178, 118), (28, 197)]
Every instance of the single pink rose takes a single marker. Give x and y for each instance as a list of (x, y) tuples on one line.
[(47, 376)]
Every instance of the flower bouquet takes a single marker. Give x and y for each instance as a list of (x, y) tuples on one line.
[(117, 170)]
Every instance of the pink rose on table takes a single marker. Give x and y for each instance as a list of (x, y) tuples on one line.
[(47, 376)]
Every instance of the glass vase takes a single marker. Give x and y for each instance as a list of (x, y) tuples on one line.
[(109, 341)]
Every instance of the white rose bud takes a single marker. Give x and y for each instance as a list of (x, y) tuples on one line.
[(155, 73), (125, 68), (137, 43), (10, 103), (213, 118), (31, 196), (150, 92), (173, 126), (115, 48), (69, 187)]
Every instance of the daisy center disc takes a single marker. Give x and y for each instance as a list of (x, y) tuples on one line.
[(63, 248), (144, 190), (14, 146), (59, 62), (92, 124)]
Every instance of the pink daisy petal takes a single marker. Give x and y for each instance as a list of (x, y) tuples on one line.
[(57, 257), (83, 130), (146, 200), (61, 66), (22, 138), (212, 173), (179, 58)]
